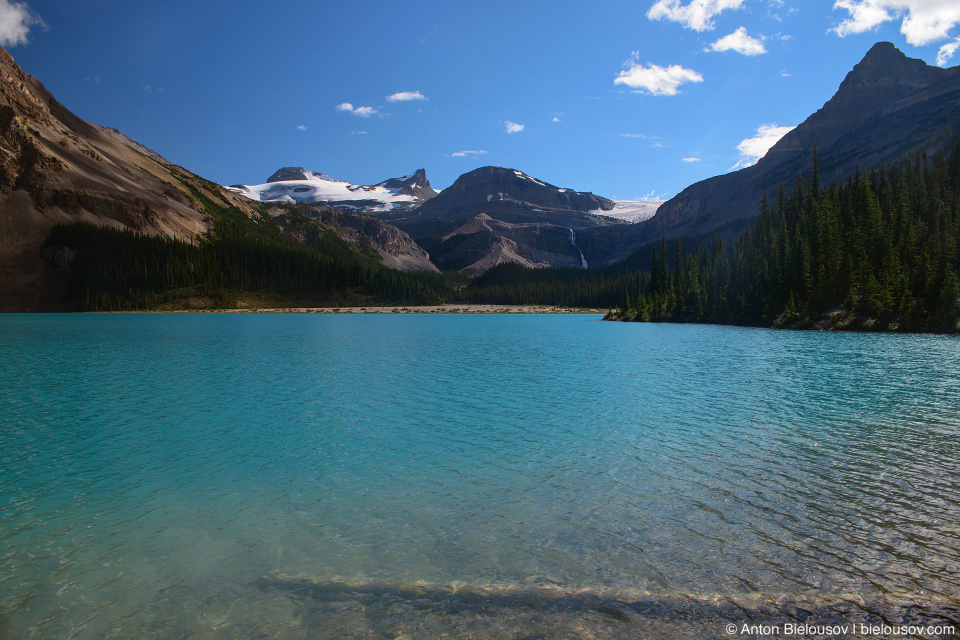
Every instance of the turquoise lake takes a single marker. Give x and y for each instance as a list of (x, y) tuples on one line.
[(469, 476)]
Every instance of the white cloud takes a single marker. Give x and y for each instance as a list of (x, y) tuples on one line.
[(358, 133), (513, 127), (656, 80), (406, 96), (691, 159), (740, 42), (360, 112), (15, 22), (302, 127), (923, 21), (555, 119), (698, 15), (863, 16), (752, 149), (653, 196), (946, 52), (468, 153)]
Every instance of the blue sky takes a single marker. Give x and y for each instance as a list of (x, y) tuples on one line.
[(630, 100)]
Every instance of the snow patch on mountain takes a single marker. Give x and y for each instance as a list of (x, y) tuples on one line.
[(630, 210), (318, 190), (295, 185)]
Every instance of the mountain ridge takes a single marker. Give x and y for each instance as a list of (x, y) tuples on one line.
[(887, 106)]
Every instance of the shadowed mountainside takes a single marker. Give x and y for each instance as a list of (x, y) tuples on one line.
[(889, 106)]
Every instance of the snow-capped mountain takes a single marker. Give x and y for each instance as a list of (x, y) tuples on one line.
[(296, 185)]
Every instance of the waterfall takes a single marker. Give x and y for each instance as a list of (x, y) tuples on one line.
[(573, 241)]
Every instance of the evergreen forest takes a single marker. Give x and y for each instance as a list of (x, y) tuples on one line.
[(878, 252)]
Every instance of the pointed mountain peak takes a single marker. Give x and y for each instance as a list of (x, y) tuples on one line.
[(885, 73), (883, 76), (416, 179), (415, 184), (884, 52)]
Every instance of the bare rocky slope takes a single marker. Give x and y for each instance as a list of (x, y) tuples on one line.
[(395, 248), (55, 168)]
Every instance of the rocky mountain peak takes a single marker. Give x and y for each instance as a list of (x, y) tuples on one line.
[(415, 184), (510, 197), (888, 107), (297, 173), (288, 173), (883, 75), (502, 183), (417, 178)]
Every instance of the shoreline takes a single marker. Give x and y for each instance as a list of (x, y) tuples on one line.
[(442, 309)]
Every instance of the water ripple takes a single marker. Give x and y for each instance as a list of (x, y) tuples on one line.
[(540, 476)]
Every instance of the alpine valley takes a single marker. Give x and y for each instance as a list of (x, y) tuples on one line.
[(90, 219)]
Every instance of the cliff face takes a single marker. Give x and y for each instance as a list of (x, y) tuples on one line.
[(889, 106)]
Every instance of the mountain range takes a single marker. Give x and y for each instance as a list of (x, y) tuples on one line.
[(58, 168)]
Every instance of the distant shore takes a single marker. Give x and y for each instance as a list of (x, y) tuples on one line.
[(414, 309)]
